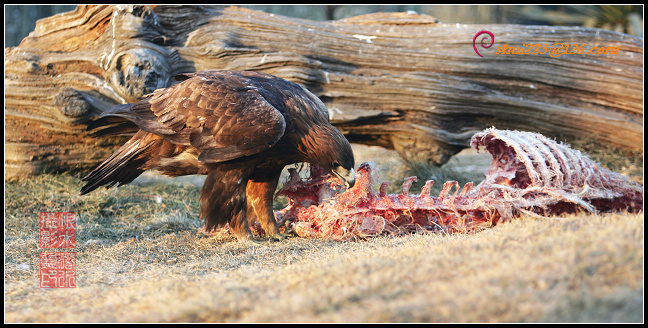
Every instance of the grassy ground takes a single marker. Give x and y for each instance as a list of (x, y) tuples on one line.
[(139, 259)]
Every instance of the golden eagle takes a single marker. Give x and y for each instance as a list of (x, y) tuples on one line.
[(239, 128)]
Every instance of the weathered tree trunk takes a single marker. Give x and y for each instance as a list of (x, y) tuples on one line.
[(400, 80)]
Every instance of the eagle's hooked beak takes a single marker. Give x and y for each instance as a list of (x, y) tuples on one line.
[(346, 176)]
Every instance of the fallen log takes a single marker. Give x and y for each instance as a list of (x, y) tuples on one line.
[(402, 81)]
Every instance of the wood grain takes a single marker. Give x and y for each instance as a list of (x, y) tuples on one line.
[(398, 80)]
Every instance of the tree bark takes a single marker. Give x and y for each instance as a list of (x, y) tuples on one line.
[(399, 80)]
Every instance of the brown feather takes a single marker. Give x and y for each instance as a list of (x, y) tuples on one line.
[(239, 128)]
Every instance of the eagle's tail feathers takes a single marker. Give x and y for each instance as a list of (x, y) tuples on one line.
[(122, 167), (118, 120), (123, 128)]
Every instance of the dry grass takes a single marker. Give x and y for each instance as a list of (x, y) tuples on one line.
[(141, 260)]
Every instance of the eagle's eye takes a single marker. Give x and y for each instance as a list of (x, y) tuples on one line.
[(335, 165)]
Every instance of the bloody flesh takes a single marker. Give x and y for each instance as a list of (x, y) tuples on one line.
[(529, 174)]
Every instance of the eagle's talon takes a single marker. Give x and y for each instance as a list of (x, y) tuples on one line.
[(279, 236), (251, 241), (288, 227), (202, 233)]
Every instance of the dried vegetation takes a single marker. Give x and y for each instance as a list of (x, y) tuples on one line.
[(140, 259)]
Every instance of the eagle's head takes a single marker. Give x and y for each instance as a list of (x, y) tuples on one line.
[(326, 147), (342, 165)]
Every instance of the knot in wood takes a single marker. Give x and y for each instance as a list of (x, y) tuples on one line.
[(138, 72), (71, 103)]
